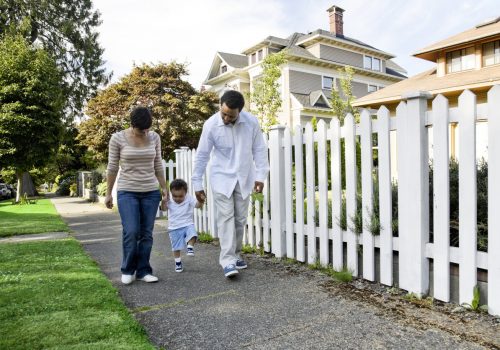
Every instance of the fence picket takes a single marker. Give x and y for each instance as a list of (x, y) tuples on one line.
[(299, 193), (440, 114), (467, 201), (287, 144), (338, 240), (323, 194), (385, 196), (367, 195), (494, 200), (310, 186), (351, 185), (265, 210)]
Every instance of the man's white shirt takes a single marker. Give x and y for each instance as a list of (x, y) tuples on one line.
[(239, 155)]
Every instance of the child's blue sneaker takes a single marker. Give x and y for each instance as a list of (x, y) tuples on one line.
[(190, 251), (241, 264), (230, 270), (178, 266)]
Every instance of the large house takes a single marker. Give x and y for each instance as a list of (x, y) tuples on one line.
[(469, 60), (311, 69)]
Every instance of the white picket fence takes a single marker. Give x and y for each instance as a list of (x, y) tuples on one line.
[(274, 226)]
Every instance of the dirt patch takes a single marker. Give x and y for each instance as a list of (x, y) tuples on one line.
[(424, 314)]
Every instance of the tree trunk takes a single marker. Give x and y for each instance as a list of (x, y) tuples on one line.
[(25, 185)]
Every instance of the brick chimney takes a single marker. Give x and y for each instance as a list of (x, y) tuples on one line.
[(336, 22)]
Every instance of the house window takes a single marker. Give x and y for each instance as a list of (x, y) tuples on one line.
[(223, 69), (372, 63), (254, 58), (368, 62), (459, 60), (491, 53), (327, 83), (260, 53), (372, 88)]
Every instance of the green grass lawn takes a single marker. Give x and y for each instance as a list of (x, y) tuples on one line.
[(31, 218), (53, 296)]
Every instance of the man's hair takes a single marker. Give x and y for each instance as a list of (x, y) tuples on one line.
[(233, 99), (140, 118), (178, 184)]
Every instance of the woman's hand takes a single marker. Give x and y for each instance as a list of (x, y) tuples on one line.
[(108, 201), (165, 196)]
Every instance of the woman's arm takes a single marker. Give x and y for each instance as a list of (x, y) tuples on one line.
[(112, 169), (160, 172)]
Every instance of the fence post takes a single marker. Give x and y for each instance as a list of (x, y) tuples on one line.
[(177, 163), (493, 200), (277, 188), (414, 182)]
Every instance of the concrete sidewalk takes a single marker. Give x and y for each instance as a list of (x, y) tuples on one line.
[(265, 307)]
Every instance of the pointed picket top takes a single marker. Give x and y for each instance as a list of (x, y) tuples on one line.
[(401, 108), (322, 123), (365, 115), (349, 118), (439, 99), (466, 95), (382, 112), (334, 122)]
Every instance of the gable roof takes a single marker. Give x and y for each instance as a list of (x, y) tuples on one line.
[(234, 60), (479, 32), (315, 99)]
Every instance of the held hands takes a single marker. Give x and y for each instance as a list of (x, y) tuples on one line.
[(164, 200), (200, 196)]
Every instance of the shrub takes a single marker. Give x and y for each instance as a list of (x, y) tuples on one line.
[(72, 190), (102, 188)]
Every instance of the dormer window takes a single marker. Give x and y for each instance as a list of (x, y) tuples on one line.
[(223, 69), (372, 63), (491, 53), (460, 60)]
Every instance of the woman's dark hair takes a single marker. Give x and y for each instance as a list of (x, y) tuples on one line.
[(233, 99), (140, 118), (178, 184)]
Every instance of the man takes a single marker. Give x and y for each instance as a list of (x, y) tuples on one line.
[(239, 165)]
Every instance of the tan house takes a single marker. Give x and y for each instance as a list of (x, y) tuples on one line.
[(311, 71), (469, 60)]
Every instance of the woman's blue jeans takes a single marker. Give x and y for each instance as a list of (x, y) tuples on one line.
[(137, 211)]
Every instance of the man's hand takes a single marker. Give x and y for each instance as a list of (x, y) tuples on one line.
[(259, 186), (108, 201), (200, 196)]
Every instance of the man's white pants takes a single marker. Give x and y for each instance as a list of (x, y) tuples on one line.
[(232, 215)]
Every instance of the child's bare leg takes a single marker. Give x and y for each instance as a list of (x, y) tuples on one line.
[(192, 241), (177, 254)]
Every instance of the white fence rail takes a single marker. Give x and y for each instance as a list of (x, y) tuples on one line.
[(304, 193)]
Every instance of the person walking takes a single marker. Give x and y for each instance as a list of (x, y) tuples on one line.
[(239, 165), (138, 152)]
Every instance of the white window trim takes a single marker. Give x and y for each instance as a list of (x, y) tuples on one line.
[(378, 58)]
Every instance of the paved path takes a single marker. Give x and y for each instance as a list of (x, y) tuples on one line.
[(266, 307)]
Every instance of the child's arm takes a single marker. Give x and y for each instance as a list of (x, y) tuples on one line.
[(199, 205)]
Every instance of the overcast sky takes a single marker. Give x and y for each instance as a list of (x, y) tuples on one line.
[(152, 31)]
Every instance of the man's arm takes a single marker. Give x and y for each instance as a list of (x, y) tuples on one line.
[(205, 146)]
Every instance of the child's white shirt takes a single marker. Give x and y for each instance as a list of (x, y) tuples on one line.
[(181, 214)]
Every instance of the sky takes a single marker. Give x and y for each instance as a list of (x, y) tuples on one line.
[(192, 31)]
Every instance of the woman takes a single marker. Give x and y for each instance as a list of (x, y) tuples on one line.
[(138, 152)]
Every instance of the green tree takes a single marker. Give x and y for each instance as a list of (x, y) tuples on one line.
[(179, 111), (31, 106), (342, 98), (265, 99), (65, 29)]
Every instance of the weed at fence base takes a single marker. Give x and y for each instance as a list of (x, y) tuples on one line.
[(204, 237)]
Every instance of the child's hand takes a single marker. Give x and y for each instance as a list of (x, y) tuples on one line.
[(163, 206)]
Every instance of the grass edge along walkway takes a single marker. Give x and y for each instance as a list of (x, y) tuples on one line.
[(41, 217), (54, 296)]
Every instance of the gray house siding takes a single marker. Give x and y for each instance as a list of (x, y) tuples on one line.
[(341, 56), (304, 83), (359, 89)]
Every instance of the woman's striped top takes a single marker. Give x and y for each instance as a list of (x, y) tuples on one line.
[(138, 165)]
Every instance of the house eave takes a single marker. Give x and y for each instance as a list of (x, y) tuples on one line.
[(319, 38)]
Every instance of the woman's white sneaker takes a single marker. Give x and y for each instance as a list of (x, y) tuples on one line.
[(148, 279)]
